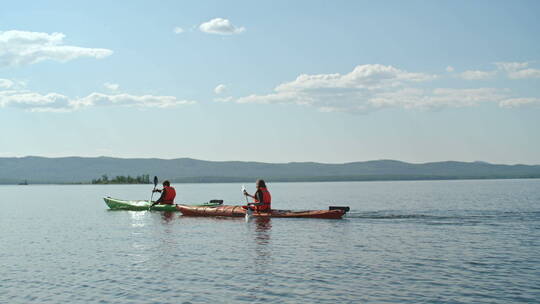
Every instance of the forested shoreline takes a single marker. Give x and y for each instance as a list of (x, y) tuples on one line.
[(121, 179)]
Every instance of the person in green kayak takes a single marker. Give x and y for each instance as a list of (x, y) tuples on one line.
[(262, 197), (167, 194)]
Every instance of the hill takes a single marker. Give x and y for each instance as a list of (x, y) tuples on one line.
[(84, 169)]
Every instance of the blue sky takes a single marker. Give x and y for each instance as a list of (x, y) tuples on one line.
[(272, 81)]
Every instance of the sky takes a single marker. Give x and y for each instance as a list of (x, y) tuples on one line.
[(272, 81)]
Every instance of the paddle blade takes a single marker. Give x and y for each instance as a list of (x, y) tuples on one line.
[(244, 193), (155, 181), (249, 212)]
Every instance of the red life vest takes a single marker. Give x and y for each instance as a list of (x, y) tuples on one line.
[(170, 194), (266, 200)]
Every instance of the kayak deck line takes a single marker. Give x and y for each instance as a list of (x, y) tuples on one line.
[(334, 212)]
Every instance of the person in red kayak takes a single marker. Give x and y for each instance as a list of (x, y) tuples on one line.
[(262, 197), (167, 194)]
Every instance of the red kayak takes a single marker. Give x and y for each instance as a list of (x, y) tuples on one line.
[(238, 211)]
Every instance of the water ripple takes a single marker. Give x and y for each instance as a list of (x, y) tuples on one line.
[(425, 242)]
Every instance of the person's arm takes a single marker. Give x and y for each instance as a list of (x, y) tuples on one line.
[(163, 194), (161, 197), (252, 196), (247, 194), (258, 196)]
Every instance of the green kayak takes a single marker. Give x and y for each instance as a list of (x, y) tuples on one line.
[(118, 204)]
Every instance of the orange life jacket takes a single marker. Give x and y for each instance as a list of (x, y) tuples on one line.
[(170, 194), (266, 200)]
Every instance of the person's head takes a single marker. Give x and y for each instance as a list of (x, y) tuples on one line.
[(260, 183), (166, 183)]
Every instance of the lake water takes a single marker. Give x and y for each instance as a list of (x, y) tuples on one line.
[(402, 242)]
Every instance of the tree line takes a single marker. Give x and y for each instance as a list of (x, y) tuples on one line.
[(120, 179)]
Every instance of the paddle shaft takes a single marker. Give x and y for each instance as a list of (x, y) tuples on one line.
[(248, 210), (152, 196)]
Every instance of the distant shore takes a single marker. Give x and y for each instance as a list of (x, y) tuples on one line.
[(108, 170), (215, 180)]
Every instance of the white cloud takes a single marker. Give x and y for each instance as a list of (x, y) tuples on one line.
[(518, 70), (221, 88), (111, 86), (368, 76), (477, 75), (436, 98), (449, 69), (373, 86), (6, 83), (178, 30), (12, 96), (99, 99), (11, 84), (22, 48), (525, 73), (32, 101), (518, 102), (224, 99), (220, 26), (357, 91), (511, 66), (54, 102)]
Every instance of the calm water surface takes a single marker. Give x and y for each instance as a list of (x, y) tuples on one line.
[(403, 242)]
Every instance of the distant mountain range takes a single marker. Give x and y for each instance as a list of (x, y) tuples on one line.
[(84, 169)]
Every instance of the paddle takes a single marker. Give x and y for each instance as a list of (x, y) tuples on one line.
[(248, 210), (152, 196)]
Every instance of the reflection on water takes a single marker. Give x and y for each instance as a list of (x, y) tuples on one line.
[(137, 218), (166, 240), (263, 252), (262, 230), (167, 216)]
